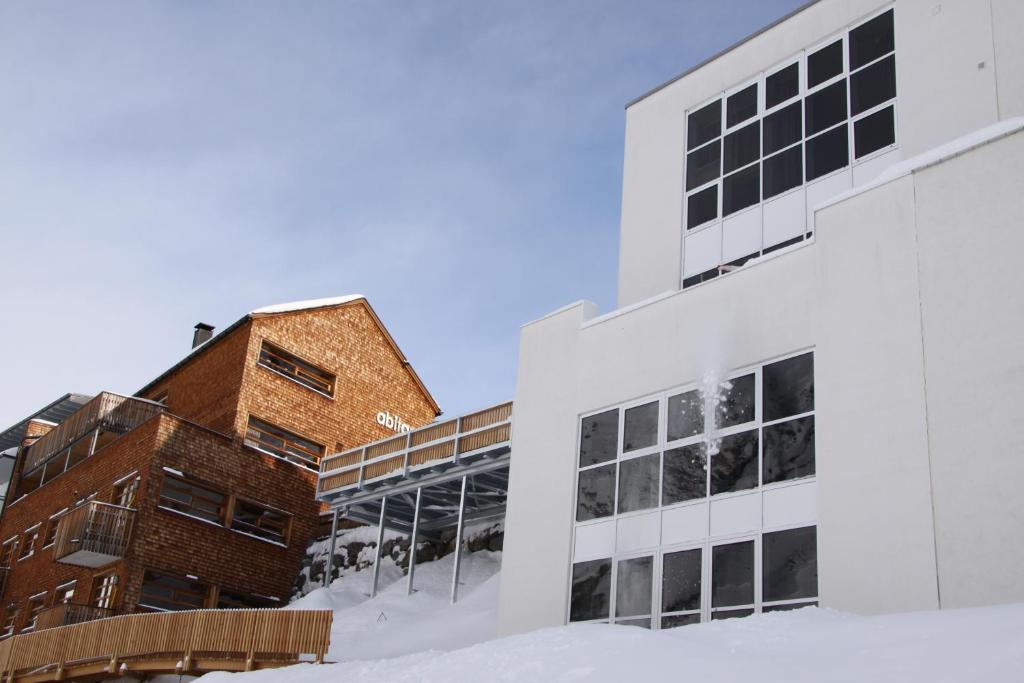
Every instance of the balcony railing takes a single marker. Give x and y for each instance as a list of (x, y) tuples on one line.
[(70, 613), (436, 445), (93, 535), (108, 412)]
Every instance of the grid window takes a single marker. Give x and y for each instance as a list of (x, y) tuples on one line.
[(166, 593), (633, 587), (193, 499), (104, 591), (790, 564), (640, 427), (282, 443), (681, 581), (685, 474), (828, 109), (599, 438), (596, 494), (591, 591), (293, 367), (732, 577), (685, 415), (638, 483), (261, 521)]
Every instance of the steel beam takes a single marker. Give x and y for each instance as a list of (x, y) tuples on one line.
[(412, 540), (458, 541), (380, 546), (329, 568)]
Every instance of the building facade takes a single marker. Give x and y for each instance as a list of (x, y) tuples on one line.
[(199, 490), (807, 394)]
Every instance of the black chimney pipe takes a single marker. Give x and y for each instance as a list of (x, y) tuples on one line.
[(202, 334)]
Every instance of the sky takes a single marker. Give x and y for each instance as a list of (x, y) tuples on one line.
[(459, 163)]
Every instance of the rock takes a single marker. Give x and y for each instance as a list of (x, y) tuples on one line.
[(496, 543)]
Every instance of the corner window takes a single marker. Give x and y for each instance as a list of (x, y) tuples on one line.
[(167, 593), (192, 499), (283, 444), (293, 367)]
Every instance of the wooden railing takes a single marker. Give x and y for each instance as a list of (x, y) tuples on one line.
[(69, 613), (112, 412), (426, 446), (170, 642), (93, 534)]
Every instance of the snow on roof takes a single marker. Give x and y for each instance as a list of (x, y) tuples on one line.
[(305, 305)]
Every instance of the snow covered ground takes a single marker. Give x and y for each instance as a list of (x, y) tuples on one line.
[(397, 639)]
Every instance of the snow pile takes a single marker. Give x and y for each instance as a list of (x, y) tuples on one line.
[(809, 645), (306, 305)]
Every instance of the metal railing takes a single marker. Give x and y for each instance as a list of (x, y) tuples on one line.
[(93, 534), (69, 613), (111, 412), (428, 446), (170, 642)]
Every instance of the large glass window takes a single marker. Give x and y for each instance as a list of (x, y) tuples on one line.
[(788, 434), (591, 594), (685, 474), (732, 579), (681, 587), (734, 467), (596, 495), (599, 438), (640, 427), (638, 483), (633, 585), (790, 565)]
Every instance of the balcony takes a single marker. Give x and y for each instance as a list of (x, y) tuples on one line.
[(69, 613), (93, 535)]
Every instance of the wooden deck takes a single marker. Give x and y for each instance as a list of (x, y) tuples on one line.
[(191, 642)]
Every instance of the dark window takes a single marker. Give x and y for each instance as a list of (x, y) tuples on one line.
[(734, 467), (788, 387), (826, 153), (282, 443), (638, 483), (737, 402), (781, 85), (685, 415), (596, 495), (599, 437), (871, 40), (704, 165), (642, 623), (732, 574), (789, 450), (236, 600), (258, 520), (784, 171), (702, 207), (192, 499), (297, 369), (741, 106), (790, 564), (704, 125), (783, 128), (640, 427), (680, 581), (166, 593), (825, 108), (741, 147), (824, 64), (873, 85), (788, 607), (685, 476), (731, 614), (740, 190), (633, 587), (873, 132), (591, 590)]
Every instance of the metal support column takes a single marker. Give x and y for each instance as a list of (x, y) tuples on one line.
[(380, 546), (412, 539), (329, 567), (458, 540)]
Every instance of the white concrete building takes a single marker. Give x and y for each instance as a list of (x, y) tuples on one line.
[(827, 221)]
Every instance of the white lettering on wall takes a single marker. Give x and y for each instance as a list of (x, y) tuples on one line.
[(392, 422)]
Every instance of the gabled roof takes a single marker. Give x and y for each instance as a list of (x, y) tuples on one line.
[(297, 307), (55, 412)]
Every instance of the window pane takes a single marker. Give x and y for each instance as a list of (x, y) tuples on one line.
[(704, 125), (596, 496), (740, 190), (789, 450), (680, 620), (599, 438), (871, 40), (790, 564), (781, 85), (874, 132), (638, 483), (741, 106), (737, 405), (783, 128), (734, 467), (680, 581), (642, 623), (825, 108), (824, 64), (732, 574), (640, 427), (741, 147), (633, 587), (783, 171), (786, 608), (873, 85), (591, 590), (685, 415), (826, 153), (788, 387), (731, 614), (702, 207), (704, 165), (685, 474)]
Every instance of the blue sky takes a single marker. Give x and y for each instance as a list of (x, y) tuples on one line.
[(164, 163)]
